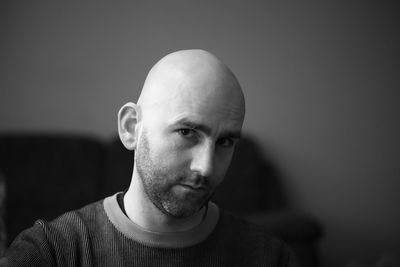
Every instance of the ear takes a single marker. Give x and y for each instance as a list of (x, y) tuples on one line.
[(128, 119)]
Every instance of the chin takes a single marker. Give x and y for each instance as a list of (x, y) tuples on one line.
[(181, 211)]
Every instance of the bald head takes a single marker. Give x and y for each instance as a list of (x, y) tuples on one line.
[(185, 84), (190, 75)]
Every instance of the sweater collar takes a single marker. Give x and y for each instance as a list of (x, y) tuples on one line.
[(160, 239)]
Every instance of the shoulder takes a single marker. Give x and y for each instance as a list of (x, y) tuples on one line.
[(70, 224), (255, 240), (245, 230), (74, 223), (87, 214), (45, 242)]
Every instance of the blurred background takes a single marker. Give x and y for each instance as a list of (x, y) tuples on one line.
[(321, 81)]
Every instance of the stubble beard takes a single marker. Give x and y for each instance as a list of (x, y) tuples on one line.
[(158, 183)]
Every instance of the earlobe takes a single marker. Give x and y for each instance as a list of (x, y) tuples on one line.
[(128, 118)]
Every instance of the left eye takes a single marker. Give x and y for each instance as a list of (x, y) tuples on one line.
[(186, 132)]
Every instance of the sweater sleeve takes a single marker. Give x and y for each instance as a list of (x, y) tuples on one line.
[(30, 248)]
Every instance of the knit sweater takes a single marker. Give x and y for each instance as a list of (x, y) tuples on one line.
[(100, 234)]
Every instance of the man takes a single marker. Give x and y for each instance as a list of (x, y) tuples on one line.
[(183, 129)]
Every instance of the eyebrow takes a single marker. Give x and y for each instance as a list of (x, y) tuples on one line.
[(206, 129)]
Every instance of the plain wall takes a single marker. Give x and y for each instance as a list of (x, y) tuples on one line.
[(321, 82)]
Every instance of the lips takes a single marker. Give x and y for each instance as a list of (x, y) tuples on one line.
[(193, 187)]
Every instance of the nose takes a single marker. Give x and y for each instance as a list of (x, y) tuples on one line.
[(203, 160)]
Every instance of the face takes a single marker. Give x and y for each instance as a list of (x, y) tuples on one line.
[(184, 150)]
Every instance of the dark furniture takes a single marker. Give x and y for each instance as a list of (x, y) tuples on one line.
[(48, 174)]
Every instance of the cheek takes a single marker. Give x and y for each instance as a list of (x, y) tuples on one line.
[(170, 154)]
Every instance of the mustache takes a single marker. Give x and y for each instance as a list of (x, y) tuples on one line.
[(195, 180)]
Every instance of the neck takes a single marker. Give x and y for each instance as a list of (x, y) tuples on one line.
[(144, 213)]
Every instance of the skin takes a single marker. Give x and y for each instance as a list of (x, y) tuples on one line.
[(183, 129)]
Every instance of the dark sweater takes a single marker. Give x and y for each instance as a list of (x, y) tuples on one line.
[(101, 235)]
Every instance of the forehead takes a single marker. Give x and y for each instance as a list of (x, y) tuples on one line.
[(207, 96), (213, 117)]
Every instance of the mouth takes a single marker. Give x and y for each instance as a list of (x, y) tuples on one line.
[(193, 187)]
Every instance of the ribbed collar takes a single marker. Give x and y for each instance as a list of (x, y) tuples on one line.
[(160, 239)]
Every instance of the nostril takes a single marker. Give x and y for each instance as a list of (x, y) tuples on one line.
[(197, 180)]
